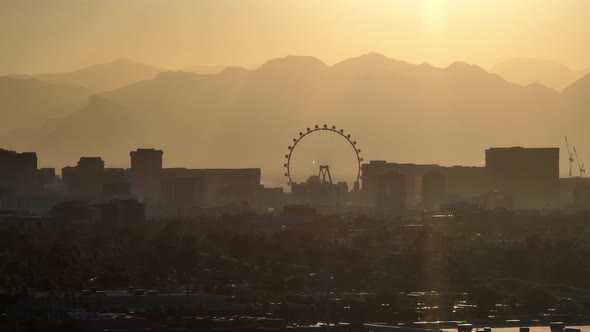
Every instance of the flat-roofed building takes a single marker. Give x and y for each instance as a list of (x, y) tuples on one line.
[(210, 187), (390, 195), (529, 176), (18, 170), (433, 190), (462, 183), (146, 168)]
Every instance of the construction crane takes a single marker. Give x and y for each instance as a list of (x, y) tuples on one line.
[(570, 155), (580, 165)]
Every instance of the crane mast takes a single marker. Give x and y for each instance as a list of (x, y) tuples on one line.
[(580, 164), (570, 155)]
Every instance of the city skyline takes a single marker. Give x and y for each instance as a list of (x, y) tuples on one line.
[(406, 100), (294, 165)]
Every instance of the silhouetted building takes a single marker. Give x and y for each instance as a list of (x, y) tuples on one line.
[(184, 192), (180, 190), (85, 179), (390, 196), (230, 186), (567, 186), (465, 183), (495, 200), (146, 167), (412, 174), (210, 187), (91, 163), (46, 178), (18, 170), (529, 176), (8, 198), (116, 189), (582, 197), (317, 193), (462, 183), (433, 190), (116, 183), (270, 199)]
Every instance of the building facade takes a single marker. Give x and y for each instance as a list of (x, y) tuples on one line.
[(528, 176), (18, 171)]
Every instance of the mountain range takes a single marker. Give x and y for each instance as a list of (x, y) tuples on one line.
[(114, 75), (397, 111), (29, 102), (204, 70), (101, 77), (526, 71)]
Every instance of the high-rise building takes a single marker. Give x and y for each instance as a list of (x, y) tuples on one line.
[(116, 183), (390, 196), (465, 183), (528, 176), (146, 169), (567, 187), (462, 183), (412, 174), (46, 178), (433, 190), (210, 187), (18, 170), (148, 160), (582, 197)]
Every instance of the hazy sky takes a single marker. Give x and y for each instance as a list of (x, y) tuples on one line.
[(59, 35)]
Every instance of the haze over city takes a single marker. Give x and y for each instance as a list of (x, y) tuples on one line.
[(289, 165), (428, 64)]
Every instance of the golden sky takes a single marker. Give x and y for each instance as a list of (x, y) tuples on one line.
[(59, 35)]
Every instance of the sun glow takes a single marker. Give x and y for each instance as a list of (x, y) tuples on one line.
[(433, 12)]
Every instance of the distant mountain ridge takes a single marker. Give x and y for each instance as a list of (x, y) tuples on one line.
[(101, 77), (246, 118), (527, 71), (204, 69), (29, 103), (578, 98)]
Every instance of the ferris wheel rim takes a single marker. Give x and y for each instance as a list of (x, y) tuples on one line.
[(316, 129)]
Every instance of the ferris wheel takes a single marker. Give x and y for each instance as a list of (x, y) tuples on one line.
[(357, 159)]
